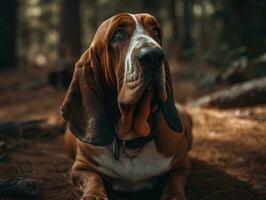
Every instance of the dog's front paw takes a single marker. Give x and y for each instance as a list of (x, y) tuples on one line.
[(94, 197), (176, 196)]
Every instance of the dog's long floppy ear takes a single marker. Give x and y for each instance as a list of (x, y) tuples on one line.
[(169, 110), (84, 108)]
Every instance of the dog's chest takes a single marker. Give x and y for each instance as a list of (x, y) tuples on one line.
[(149, 163)]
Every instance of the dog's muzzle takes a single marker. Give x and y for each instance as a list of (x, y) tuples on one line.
[(150, 58)]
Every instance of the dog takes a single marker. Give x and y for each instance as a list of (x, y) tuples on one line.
[(124, 127)]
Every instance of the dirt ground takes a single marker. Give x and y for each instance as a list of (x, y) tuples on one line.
[(228, 154)]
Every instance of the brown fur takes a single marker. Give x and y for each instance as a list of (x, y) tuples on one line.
[(93, 75)]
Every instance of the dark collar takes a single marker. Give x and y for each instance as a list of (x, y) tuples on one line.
[(138, 142)]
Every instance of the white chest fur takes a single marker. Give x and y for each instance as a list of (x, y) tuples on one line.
[(135, 172)]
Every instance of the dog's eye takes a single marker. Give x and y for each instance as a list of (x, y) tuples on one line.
[(156, 32), (118, 35)]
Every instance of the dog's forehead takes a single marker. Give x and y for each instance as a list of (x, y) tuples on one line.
[(136, 22), (126, 18), (141, 17), (117, 20)]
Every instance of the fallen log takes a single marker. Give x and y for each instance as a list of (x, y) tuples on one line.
[(61, 77), (29, 128), (22, 188), (14, 127), (245, 94)]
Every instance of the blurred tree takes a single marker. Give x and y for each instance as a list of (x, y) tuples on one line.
[(187, 39), (151, 6), (174, 47), (8, 34), (69, 31), (244, 25), (95, 9)]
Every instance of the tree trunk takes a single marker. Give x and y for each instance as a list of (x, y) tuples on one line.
[(8, 34), (187, 40), (174, 41), (69, 31), (30, 128), (246, 94), (20, 188), (152, 7)]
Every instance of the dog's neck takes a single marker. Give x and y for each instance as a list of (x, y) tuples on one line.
[(137, 143)]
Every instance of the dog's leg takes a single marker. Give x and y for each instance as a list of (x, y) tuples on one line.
[(70, 143), (175, 185), (89, 182)]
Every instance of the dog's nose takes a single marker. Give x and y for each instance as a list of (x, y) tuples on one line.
[(150, 57)]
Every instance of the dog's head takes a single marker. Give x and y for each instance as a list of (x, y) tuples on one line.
[(120, 81)]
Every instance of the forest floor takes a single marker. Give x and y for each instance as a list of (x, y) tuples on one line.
[(228, 153)]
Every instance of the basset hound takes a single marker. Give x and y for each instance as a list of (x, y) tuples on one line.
[(124, 128)]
